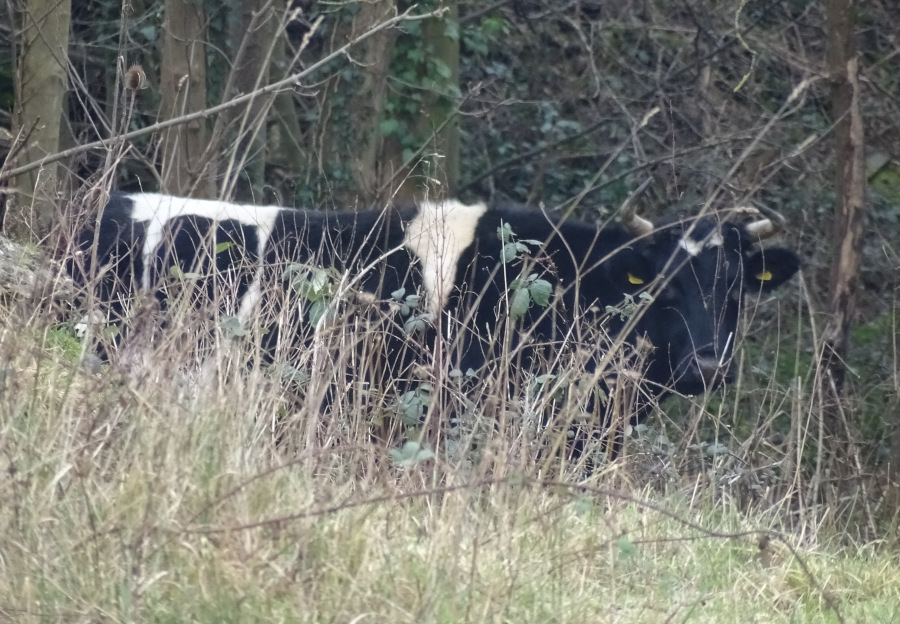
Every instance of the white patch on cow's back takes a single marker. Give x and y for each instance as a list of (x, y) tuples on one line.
[(156, 210), (715, 239), (694, 247), (437, 236)]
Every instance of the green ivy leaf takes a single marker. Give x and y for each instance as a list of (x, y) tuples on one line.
[(388, 126), (451, 30), (442, 69)]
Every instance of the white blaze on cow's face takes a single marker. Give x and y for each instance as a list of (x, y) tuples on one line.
[(694, 247), (437, 236)]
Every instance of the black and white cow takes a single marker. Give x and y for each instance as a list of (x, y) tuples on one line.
[(456, 256)]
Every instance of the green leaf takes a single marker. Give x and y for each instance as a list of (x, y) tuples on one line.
[(626, 548), (316, 311), (509, 253), (320, 282), (388, 126), (493, 25), (294, 376), (224, 247), (410, 454), (232, 325), (584, 505), (442, 69), (398, 294), (519, 304), (540, 292), (451, 30), (148, 32), (414, 324)]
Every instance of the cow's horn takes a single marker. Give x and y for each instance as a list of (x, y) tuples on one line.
[(630, 220), (768, 227)]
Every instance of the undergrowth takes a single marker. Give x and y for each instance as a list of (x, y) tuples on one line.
[(186, 484)]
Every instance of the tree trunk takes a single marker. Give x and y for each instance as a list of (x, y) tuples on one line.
[(285, 146), (368, 167), (185, 170), (439, 114), (849, 208), (254, 36), (41, 82), (425, 158)]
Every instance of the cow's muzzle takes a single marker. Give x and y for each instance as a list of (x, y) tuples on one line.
[(701, 372)]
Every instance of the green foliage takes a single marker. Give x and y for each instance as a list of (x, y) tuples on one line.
[(416, 319), (232, 326), (412, 405), (525, 290), (629, 307), (420, 82), (61, 340), (411, 454), (511, 247), (317, 286)]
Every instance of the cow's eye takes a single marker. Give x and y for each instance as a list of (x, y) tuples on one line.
[(634, 279)]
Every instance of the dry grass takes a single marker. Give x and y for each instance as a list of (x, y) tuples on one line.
[(191, 488)]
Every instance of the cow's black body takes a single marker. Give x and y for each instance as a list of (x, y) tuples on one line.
[(697, 271)]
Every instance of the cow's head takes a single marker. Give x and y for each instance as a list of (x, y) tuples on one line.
[(698, 272)]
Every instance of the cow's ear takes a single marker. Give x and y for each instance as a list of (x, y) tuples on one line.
[(768, 269)]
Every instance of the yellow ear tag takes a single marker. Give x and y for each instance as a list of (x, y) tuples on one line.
[(636, 280), (765, 276)]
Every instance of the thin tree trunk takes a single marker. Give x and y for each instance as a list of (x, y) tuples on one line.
[(41, 82), (434, 169), (183, 90), (369, 168), (285, 145), (440, 108), (849, 208), (254, 32)]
